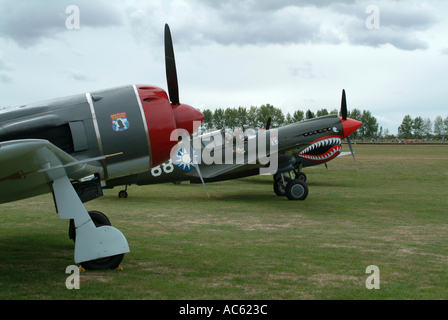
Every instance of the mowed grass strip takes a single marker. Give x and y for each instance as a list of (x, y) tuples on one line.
[(247, 243)]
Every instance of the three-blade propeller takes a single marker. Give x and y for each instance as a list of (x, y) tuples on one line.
[(268, 124), (173, 91), (170, 66), (344, 118)]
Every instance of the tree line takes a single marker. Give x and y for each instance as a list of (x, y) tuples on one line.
[(423, 128), (257, 117)]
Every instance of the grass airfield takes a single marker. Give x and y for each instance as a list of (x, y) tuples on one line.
[(247, 243)]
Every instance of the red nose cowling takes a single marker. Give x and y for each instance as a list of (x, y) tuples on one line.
[(350, 126), (162, 119)]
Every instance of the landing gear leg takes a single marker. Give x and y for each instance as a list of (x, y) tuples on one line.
[(301, 176), (280, 185), (95, 247), (298, 174)]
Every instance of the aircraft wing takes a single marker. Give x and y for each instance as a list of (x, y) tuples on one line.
[(28, 168), (213, 171)]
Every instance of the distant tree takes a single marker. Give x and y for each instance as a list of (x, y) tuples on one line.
[(322, 112), (355, 114), (405, 129), (418, 127), (242, 117), (252, 116), (438, 126), (230, 118), (208, 119), (219, 119), (369, 128), (427, 127), (288, 119), (445, 126), (298, 116), (267, 110), (334, 111)]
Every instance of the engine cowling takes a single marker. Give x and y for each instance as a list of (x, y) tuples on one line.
[(136, 120)]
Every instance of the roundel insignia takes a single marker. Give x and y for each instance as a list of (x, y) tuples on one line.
[(184, 161)]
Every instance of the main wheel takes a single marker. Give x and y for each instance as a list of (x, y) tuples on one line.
[(296, 190), (98, 218), (280, 185), (122, 194), (113, 262)]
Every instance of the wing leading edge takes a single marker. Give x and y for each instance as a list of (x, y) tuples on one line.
[(29, 167)]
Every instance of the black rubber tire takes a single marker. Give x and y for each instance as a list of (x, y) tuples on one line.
[(98, 218), (296, 190), (104, 263), (122, 194)]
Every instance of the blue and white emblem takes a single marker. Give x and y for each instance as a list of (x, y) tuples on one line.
[(119, 122), (184, 161)]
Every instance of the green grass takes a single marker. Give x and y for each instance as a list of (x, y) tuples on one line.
[(247, 243)]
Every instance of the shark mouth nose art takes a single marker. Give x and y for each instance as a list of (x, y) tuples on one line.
[(322, 150)]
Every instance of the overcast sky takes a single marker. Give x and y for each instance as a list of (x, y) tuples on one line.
[(293, 54)]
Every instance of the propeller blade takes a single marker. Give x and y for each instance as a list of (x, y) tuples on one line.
[(268, 124), (190, 151), (309, 115), (351, 150), (170, 66), (344, 106)]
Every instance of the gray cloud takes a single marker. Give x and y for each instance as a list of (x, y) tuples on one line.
[(399, 24), (27, 22), (304, 71), (80, 76), (5, 77), (231, 22), (284, 22), (270, 5), (240, 23)]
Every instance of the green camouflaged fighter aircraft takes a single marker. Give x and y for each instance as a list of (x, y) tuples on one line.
[(224, 157)]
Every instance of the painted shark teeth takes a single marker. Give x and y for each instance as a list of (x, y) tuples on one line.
[(329, 154), (322, 143)]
